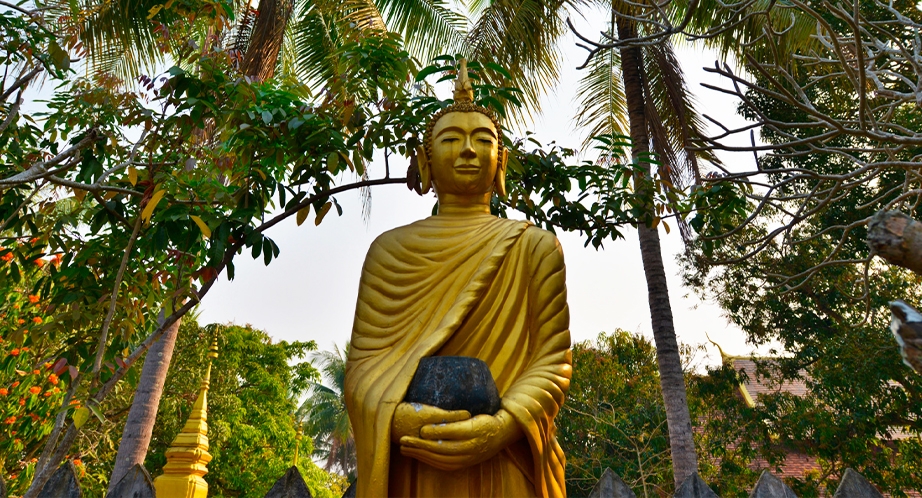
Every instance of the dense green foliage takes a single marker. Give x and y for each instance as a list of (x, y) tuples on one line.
[(252, 430), (614, 416)]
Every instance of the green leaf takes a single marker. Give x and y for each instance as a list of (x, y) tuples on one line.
[(95, 410), (322, 212), (81, 415), (499, 69), (267, 251), (427, 71), (302, 214), (359, 162), (333, 162), (59, 57)]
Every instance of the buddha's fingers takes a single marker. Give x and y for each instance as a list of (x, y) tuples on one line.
[(465, 429), (428, 414), (442, 447), (454, 416), (437, 460)]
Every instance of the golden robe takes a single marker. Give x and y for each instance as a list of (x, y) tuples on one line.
[(478, 286)]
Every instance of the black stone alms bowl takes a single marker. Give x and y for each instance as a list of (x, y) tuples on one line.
[(454, 383)]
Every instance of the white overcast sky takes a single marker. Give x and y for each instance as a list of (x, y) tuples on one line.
[(309, 292)]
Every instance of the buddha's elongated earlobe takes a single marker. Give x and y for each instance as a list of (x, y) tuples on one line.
[(499, 183), (424, 172)]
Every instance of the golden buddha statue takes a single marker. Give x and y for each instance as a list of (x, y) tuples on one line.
[(461, 283)]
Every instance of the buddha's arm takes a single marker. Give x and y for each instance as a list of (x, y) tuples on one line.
[(538, 393)]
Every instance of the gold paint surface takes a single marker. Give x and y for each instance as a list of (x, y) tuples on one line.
[(461, 283), (187, 458)]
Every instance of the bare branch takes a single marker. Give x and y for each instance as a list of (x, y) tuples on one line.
[(104, 333)]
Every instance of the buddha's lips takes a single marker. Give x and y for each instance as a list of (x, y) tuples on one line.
[(467, 168)]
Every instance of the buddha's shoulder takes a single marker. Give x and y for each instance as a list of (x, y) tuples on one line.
[(540, 236), (541, 242), (398, 234)]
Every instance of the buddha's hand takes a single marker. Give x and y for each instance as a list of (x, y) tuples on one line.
[(410, 418), (456, 445)]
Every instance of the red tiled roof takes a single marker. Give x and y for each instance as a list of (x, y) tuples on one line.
[(754, 385), (795, 465)]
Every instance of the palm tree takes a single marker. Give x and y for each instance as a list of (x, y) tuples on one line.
[(324, 417), (639, 90), (519, 35), (646, 86)]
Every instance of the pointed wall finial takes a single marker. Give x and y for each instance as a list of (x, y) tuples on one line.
[(694, 487), (769, 486), (610, 485), (464, 92), (63, 483), (854, 485), (187, 458), (290, 485), (723, 357)]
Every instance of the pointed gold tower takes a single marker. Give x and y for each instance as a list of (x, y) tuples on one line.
[(187, 458)]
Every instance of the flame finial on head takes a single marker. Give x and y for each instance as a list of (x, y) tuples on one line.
[(464, 91)]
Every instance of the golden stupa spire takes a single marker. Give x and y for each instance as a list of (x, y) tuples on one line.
[(187, 458), (464, 92)]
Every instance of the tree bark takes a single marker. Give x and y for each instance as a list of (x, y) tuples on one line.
[(672, 379), (266, 39), (143, 413), (897, 238)]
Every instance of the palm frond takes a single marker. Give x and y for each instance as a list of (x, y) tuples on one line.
[(239, 38), (674, 125), (521, 36), (314, 42), (602, 107), (363, 13), (674, 108), (119, 37), (429, 27), (324, 416)]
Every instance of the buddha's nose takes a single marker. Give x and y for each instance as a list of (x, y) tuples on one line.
[(467, 149)]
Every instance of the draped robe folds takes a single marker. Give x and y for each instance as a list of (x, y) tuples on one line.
[(478, 286)]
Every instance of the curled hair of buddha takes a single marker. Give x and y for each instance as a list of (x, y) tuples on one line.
[(464, 102)]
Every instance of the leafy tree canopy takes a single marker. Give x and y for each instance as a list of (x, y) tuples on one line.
[(614, 416), (252, 430)]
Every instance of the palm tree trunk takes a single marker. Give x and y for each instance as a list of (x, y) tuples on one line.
[(672, 380), (143, 413), (266, 39)]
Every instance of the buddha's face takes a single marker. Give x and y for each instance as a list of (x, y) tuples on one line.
[(465, 150)]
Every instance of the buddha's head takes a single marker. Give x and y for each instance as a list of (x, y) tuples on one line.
[(463, 147)]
